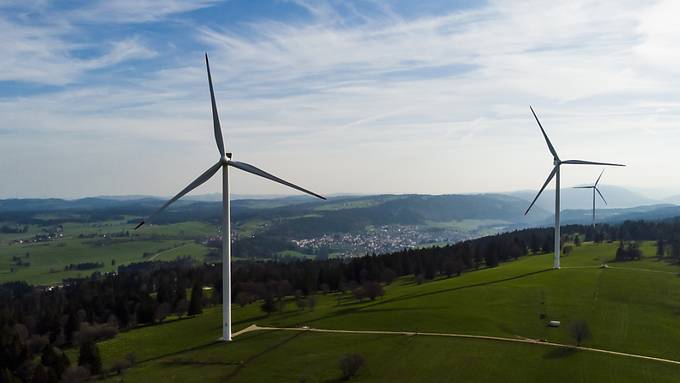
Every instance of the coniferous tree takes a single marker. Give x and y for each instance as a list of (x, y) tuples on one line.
[(620, 252), (89, 357), (71, 327), (7, 376), (535, 245), (40, 375), (268, 306), (196, 302), (675, 250), (660, 248), (55, 359), (548, 244)]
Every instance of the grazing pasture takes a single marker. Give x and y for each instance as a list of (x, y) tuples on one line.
[(630, 307), (108, 243)]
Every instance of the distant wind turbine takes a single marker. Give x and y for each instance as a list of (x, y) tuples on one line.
[(223, 163), (595, 189), (556, 173)]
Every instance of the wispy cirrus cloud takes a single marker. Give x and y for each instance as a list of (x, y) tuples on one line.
[(47, 54), (44, 44), (135, 11), (442, 97)]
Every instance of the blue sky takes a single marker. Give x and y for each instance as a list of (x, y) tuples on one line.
[(104, 97)]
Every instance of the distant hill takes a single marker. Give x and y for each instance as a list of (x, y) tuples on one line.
[(674, 199), (55, 204), (648, 213), (303, 216), (466, 215), (616, 196), (299, 214), (216, 197)]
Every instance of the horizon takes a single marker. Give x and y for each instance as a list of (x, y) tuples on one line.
[(618, 198), (658, 195), (114, 98)]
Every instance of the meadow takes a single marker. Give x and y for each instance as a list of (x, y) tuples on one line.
[(48, 259), (630, 307)]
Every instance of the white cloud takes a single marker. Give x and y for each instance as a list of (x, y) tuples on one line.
[(44, 54), (135, 11), (40, 43), (435, 104)]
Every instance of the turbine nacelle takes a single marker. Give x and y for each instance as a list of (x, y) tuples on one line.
[(595, 190), (225, 160), (557, 163), (555, 173), (223, 163)]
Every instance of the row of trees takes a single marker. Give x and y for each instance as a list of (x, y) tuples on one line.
[(33, 320), (628, 252), (13, 229), (38, 323)]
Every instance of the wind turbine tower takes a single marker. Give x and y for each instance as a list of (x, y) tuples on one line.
[(595, 189), (223, 163), (557, 162)]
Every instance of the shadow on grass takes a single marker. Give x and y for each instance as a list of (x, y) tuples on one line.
[(147, 325), (193, 362), (362, 307), (249, 320), (277, 316), (261, 353), (179, 352), (396, 309), (559, 352)]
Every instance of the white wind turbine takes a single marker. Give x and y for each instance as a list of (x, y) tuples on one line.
[(556, 173), (224, 163), (595, 189)]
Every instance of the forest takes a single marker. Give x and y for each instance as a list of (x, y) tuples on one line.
[(37, 324)]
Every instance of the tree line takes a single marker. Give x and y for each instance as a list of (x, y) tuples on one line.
[(37, 323)]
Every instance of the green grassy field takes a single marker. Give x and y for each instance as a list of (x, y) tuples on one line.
[(356, 203), (294, 254), (631, 307), (47, 259)]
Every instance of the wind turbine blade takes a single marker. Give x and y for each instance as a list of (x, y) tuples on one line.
[(197, 182), (598, 178), (259, 172), (601, 196), (547, 140), (583, 187), (216, 118), (550, 177), (580, 162)]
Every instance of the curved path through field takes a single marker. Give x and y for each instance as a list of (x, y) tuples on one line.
[(165, 251), (255, 327)]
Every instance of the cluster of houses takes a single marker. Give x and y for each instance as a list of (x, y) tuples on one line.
[(47, 235), (382, 239)]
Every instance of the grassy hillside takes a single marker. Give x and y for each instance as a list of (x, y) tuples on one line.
[(354, 214), (47, 259), (631, 307)]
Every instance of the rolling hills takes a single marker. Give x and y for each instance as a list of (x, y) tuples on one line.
[(265, 228), (630, 307)]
